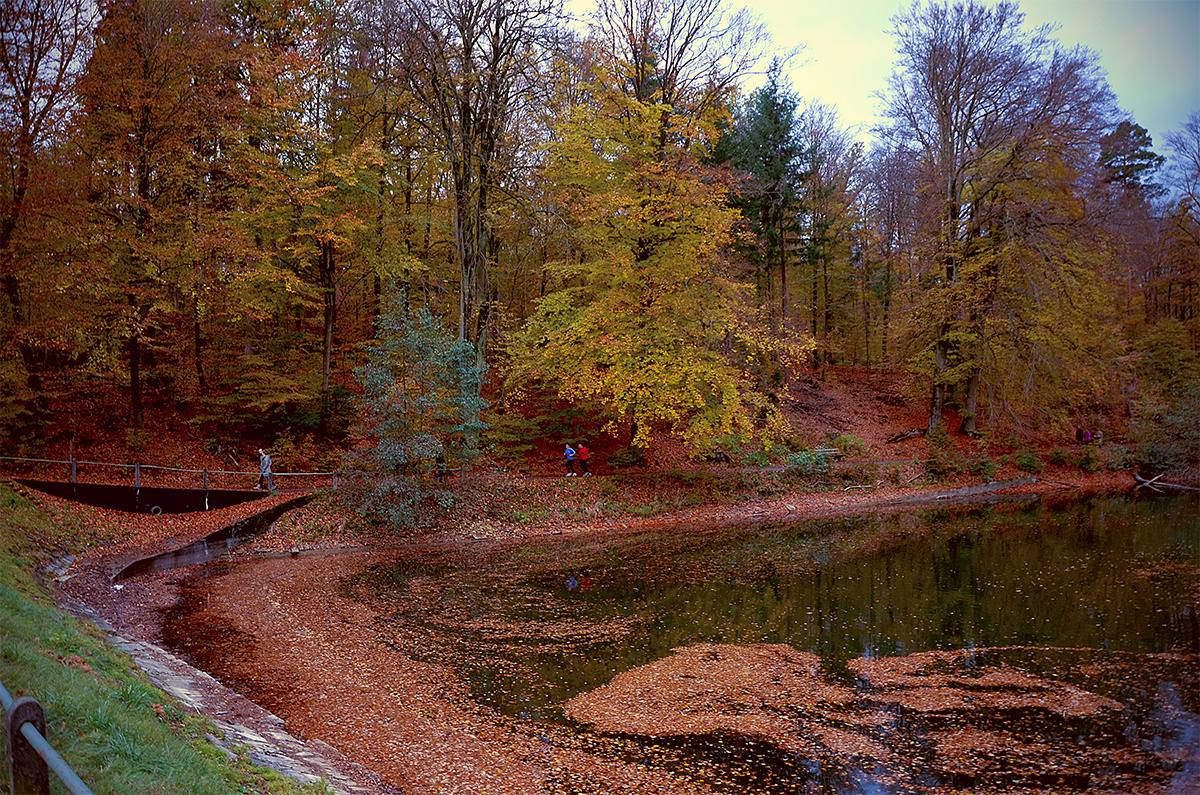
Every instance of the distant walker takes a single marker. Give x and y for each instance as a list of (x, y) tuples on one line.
[(266, 480)]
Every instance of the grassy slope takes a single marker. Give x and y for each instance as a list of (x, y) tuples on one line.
[(116, 730)]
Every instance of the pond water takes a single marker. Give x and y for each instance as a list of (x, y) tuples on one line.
[(1100, 595), (1046, 646)]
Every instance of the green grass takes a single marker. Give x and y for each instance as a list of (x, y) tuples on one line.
[(117, 731)]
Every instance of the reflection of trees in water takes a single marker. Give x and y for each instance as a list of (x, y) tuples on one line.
[(1093, 575)]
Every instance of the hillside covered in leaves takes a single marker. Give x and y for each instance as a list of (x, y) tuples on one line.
[(374, 233)]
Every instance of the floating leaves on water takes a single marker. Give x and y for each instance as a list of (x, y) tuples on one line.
[(938, 714)]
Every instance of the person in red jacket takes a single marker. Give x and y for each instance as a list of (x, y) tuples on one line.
[(583, 459)]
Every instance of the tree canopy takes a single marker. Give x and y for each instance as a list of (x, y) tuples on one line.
[(221, 207)]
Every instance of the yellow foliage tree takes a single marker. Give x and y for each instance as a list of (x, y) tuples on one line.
[(649, 315)]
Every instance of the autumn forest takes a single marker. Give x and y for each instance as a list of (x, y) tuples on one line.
[(276, 216)]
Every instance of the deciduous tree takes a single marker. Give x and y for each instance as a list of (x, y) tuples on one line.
[(1184, 171), (43, 45), (890, 205), (830, 210), (650, 317), (686, 54), (987, 105), (153, 88), (479, 60), (1182, 228)]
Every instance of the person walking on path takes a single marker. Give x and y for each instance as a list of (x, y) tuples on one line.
[(266, 480), (569, 452), (583, 459)]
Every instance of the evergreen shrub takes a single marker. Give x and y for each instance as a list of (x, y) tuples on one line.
[(1027, 461), (807, 463), (983, 467)]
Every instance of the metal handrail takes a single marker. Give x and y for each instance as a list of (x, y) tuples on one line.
[(338, 475), (138, 468), (77, 462), (26, 713)]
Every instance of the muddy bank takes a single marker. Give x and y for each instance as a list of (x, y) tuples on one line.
[(285, 633)]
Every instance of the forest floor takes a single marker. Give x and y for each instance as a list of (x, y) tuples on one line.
[(445, 737)]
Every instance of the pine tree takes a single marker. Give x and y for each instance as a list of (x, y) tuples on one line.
[(420, 400), (766, 145)]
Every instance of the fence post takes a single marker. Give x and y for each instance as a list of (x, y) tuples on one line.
[(28, 773), (73, 470), (137, 475), (206, 478)]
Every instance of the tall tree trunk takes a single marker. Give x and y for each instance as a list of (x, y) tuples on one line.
[(944, 347), (28, 356), (380, 252), (140, 269), (970, 422), (8, 229), (135, 380), (769, 279), (865, 299), (198, 346), (329, 300), (481, 277), (825, 316), (782, 274), (937, 401), (466, 239), (816, 352), (887, 314)]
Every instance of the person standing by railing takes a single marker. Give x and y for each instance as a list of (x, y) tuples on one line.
[(266, 480)]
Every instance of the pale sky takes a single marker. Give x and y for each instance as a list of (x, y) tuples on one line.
[(1150, 50)]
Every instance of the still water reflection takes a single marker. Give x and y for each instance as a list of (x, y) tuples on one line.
[(1098, 596), (1103, 574)]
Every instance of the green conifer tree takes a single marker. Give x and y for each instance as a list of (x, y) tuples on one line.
[(420, 400)]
